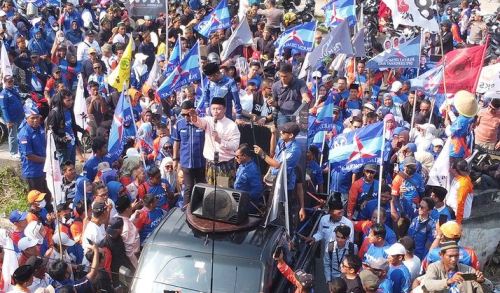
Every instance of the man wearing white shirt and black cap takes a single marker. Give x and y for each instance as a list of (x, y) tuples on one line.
[(222, 139)]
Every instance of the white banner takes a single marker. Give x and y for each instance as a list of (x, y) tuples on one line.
[(413, 13), (489, 80)]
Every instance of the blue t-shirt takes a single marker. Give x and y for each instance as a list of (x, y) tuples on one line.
[(385, 286), (400, 277), (375, 253)]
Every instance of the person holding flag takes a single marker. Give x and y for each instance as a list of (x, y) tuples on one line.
[(62, 121), (289, 145)]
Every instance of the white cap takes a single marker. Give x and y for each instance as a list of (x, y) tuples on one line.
[(396, 86), (32, 231), (316, 74), (141, 56), (65, 240), (326, 78), (132, 152), (369, 106), (25, 243), (437, 141), (396, 249)]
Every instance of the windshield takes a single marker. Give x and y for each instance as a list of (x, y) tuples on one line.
[(190, 272)]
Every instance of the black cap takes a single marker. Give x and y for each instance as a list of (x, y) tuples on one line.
[(211, 68), (286, 68), (354, 86), (290, 127), (23, 273), (35, 261), (98, 207), (114, 226), (62, 206), (187, 104), (335, 205), (218, 101)]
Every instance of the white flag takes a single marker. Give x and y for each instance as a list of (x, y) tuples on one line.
[(153, 76), (52, 170), (280, 194), (80, 107), (5, 67), (243, 8), (439, 175), (242, 36), (406, 12), (489, 80)]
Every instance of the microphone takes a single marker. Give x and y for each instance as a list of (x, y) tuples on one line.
[(216, 153)]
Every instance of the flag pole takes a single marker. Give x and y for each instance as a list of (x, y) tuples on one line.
[(482, 62), (85, 197), (418, 74), (166, 33), (285, 179), (381, 169), (133, 122), (322, 154), (54, 201)]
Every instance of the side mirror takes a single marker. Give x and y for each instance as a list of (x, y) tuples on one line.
[(125, 276)]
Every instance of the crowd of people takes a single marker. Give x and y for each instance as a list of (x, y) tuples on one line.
[(235, 127)]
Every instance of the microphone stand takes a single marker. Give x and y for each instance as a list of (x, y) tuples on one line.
[(214, 171)]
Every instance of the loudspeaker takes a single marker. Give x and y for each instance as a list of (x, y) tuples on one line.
[(231, 206)]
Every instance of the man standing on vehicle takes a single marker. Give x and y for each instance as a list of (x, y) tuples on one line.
[(288, 93), (12, 112), (188, 150), (289, 145), (222, 139)]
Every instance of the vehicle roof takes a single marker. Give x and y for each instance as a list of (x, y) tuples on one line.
[(175, 232)]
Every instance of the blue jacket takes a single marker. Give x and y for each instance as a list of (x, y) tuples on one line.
[(293, 153), (224, 88), (31, 142), (248, 179), (11, 105), (191, 140), (422, 233)]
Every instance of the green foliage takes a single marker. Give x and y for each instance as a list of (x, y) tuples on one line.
[(13, 190)]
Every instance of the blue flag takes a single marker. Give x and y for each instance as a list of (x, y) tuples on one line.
[(340, 10), (122, 118), (357, 148), (406, 55), (322, 123), (183, 74), (299, 37), (175, 58), (218, 18)]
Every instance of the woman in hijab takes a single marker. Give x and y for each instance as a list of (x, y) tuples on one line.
[(390, 125), (140, 72)]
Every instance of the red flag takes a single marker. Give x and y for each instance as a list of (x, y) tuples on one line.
[(462, 68)]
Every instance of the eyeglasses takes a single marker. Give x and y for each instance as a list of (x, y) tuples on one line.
[(184, 114)]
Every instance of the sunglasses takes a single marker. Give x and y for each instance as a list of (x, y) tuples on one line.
[(184, 114), (369, 171)]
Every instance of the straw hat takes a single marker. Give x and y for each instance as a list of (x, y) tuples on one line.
[(466, 104)]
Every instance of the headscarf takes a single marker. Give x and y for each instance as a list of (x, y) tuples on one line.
[(170, 177), (79, 196), (114, 188), (389, 130)]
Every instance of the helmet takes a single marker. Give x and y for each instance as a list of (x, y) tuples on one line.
[(289, 18), (213, 58)]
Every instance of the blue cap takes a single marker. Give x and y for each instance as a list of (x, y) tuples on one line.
[(17, 216), (398, 130), (160, 58), (30, 108), (411, 147)]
